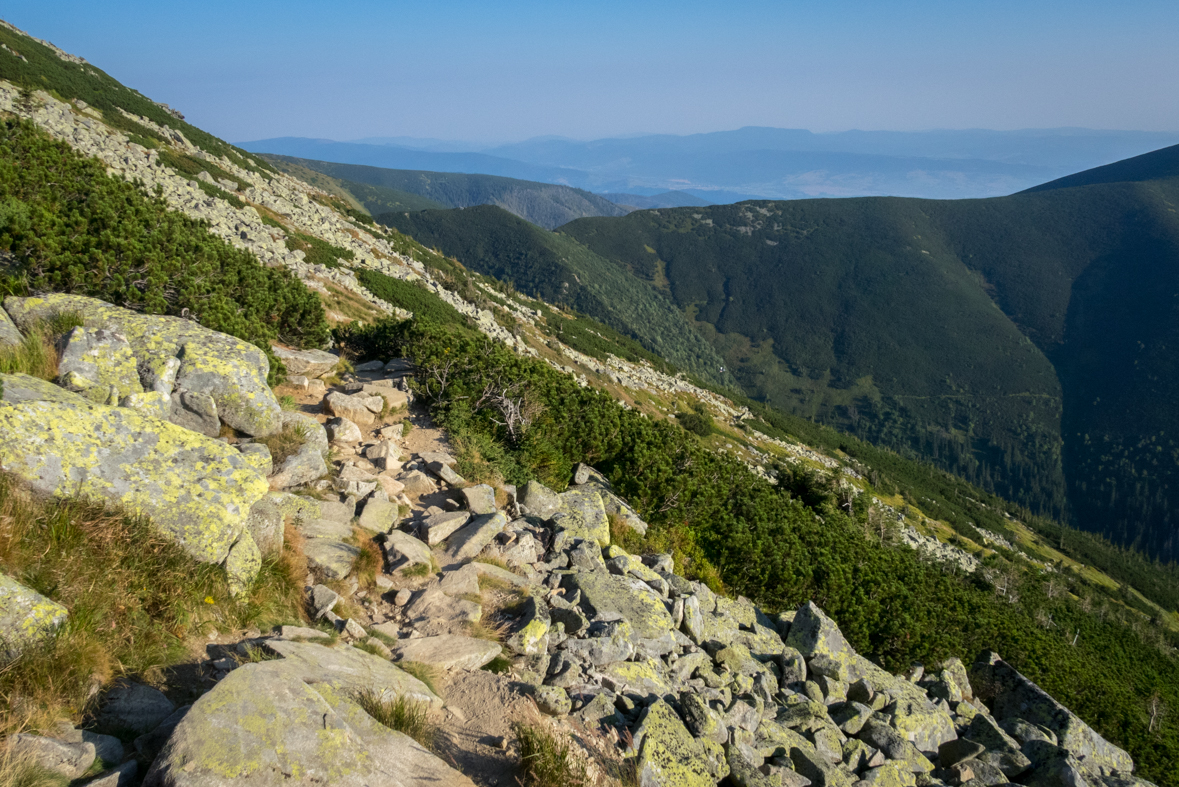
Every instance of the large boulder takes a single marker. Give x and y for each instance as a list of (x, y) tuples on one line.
[(197, 491), (270, 724), (585, 476), (448, 651), (352, 670), (611, 597), (308, 363), (1014, 696), (230, 370), (25, 616)]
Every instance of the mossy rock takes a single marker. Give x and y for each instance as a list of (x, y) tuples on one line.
[(583, 515), (668, 754), (630, 598)]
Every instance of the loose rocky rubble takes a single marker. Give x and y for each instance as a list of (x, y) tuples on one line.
[(694, 687)]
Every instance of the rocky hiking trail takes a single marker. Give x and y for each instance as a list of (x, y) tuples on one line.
[(482, 618)]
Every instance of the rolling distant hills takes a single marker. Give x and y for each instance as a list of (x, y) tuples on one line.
[(762, 163), (544, 204), (1024, 342)]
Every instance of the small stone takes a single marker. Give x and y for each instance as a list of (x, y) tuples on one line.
[(402, 598), (354, 629), (342, 430)]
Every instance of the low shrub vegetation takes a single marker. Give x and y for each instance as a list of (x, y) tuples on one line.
[(67, 226), (546, 760)]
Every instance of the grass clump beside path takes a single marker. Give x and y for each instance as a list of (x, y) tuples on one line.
[(546, 760), (133, 597), (401, 715)]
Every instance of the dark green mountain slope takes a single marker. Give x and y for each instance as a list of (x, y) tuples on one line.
[(1022, 342), (1149, 166), (544, 204), (559, 270)]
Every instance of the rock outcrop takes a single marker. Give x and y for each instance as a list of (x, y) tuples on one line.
[(230, 371)]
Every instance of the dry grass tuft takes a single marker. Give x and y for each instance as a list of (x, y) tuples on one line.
[(133, 597), (426, 673), (400, 714), (370, 560), (284, 444), (546, 760), (39, 353), (23, 772)]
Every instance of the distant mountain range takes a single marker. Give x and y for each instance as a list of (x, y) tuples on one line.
[(760, 163)]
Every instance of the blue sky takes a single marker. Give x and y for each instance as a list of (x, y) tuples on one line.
[(506, 71)]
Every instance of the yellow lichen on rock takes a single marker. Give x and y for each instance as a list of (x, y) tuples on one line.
[(196, 490)]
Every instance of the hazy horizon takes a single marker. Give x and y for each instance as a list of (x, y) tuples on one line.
[(516, 71)]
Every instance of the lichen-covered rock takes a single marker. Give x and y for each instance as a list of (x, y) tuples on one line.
[(622, 598), (668, 754), (552, 700), (439, 527), (923, 724), (196, 491), (258, 456), (230, 370), (9, 335), (18, 388), (539, 501), (1014, 696), (150, 403), (103, 357), (25, 616), (583, 515), (270, 724), (352, 670), (585, 476), (242, 564), (195, 411), (309, 363)]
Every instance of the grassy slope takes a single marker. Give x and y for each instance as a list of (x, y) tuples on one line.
[(560, 270), (936, 301), (544, 204)]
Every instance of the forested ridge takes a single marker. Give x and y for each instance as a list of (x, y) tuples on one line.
[(1020, 342)]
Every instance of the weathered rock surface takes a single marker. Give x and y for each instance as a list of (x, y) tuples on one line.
[(9, 335), (230, 370), (469, 541), (449, 651), (309, 363), (25, 616), (196, 491), (271, 723)]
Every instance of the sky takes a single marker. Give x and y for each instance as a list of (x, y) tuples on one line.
[(505, 71)]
